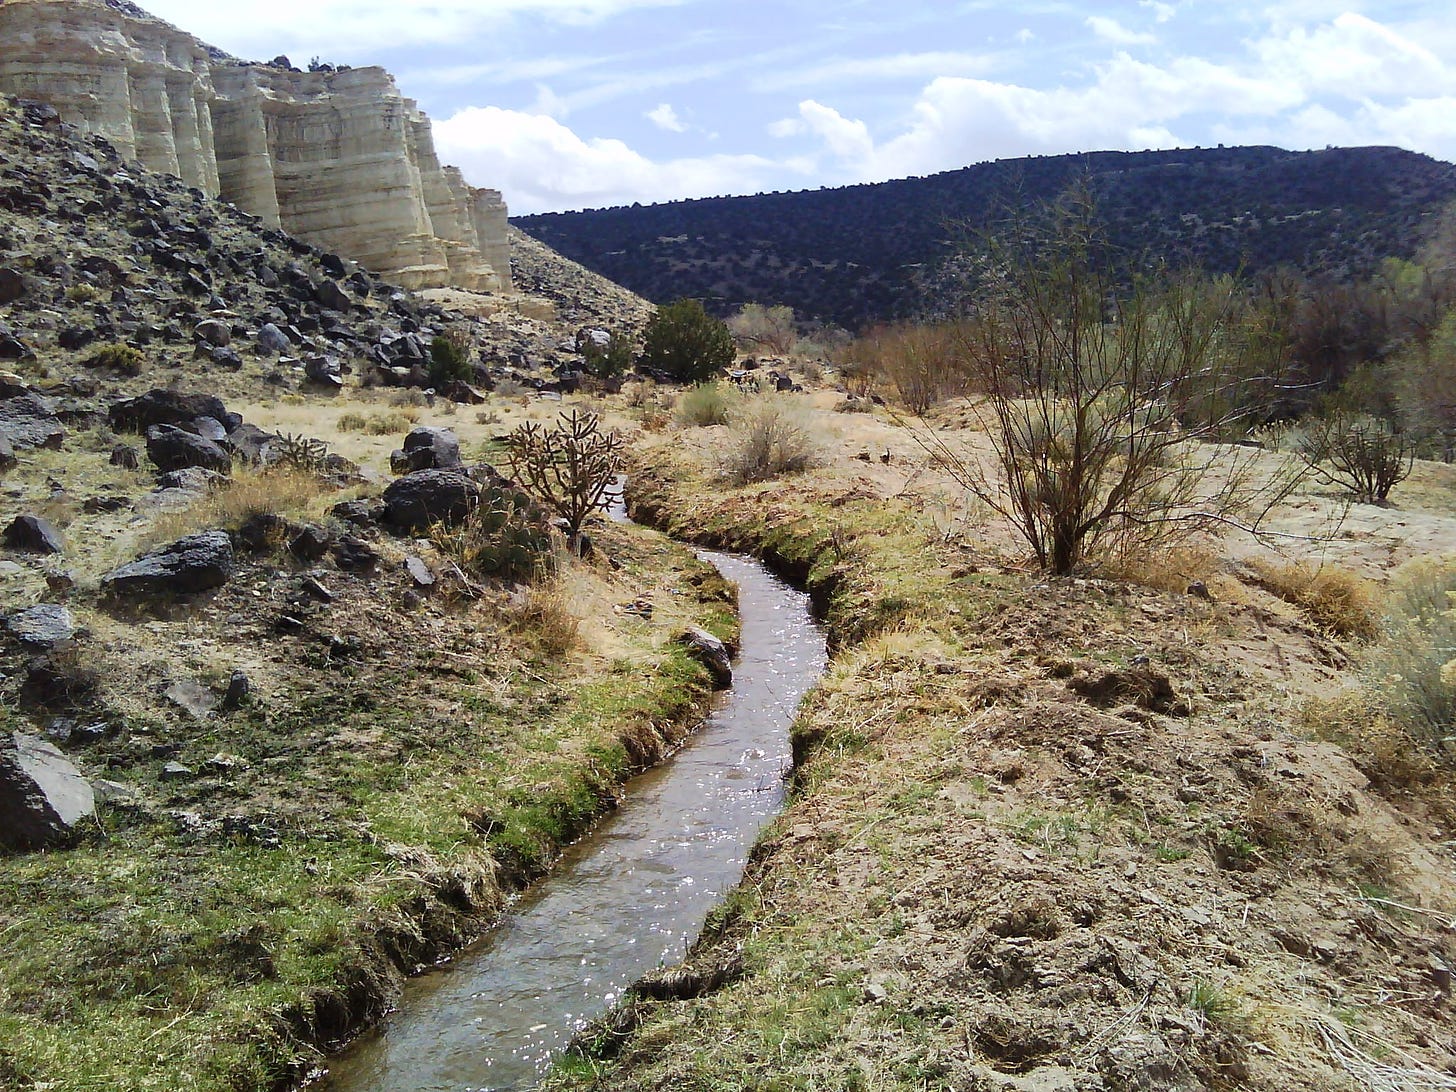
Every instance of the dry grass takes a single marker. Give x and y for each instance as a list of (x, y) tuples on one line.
[(769, 437), (279, 491), (1333, 598), (1172, 570), (708, 403), (545, 618)]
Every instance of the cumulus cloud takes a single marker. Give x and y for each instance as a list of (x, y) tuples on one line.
[(541, 164), (1110, 30), (1355, 56), (665, 117)]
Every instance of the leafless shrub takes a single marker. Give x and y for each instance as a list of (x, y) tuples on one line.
[(1095, 396), (568, 468), (1362, 455)]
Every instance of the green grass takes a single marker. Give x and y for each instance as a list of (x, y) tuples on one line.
[(161, 956)]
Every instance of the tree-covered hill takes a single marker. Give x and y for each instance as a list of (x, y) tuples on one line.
[(860, 254)]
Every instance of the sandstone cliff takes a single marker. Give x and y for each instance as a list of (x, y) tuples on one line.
[(339, 158)]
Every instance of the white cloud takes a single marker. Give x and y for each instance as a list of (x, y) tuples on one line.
[(897, 66), (665, 117), (262, 28), (1161, 12), (1110, 30), (1025, 35), (845, 138), (1355, 56), (540, 164)]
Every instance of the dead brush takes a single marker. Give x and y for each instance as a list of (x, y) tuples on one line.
[(1174, 570), (278, 490), (1335, 599), (768, 438), (545, 619)]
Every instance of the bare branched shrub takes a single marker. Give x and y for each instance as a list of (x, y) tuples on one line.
[(1362, 455), (1096, 395), (569, 468), (924, 364), (706, 404), (766, 329), (1411, 672), (769, 437)]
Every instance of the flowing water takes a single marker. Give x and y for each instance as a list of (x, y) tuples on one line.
[(627, 898)]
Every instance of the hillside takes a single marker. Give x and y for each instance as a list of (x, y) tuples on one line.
[(862, 254)]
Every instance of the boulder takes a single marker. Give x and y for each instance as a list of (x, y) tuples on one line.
[(193, 480), (354, 555), (170, 448), (214, 332), (13, 285), (43, 626), (28, 420), (426, 448), (309, 542), (711, 653), (43, 797), (125, 456), (417, 500), (7, 453), (273, 340), (332, 296), (164, 407), (191, 564), (325, 371), (250, 442), (34, 534)]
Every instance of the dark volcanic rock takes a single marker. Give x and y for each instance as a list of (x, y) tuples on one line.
[(711, 653), (44, 625), (354, 555), (332, 296), (273, 340), (164, 407), (430, 496), (191, 564), (171, 448), (426, 448), (28, 420), (214, 332), (35, 534), (125, 456), (43, 797), (13, 285)]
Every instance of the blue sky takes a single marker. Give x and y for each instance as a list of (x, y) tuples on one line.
[(567, 104)]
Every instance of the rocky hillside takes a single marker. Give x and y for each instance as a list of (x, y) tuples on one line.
[(863, 254), (263, 699), (334, 155)]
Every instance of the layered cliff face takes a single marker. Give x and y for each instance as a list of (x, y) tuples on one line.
[(341, 159)]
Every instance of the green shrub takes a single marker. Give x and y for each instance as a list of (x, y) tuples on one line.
[(450, 359), (609, 360), (769, 438), (685, 343), (706, 404), (124, 358)]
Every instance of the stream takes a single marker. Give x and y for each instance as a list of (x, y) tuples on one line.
[(629, 897)]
